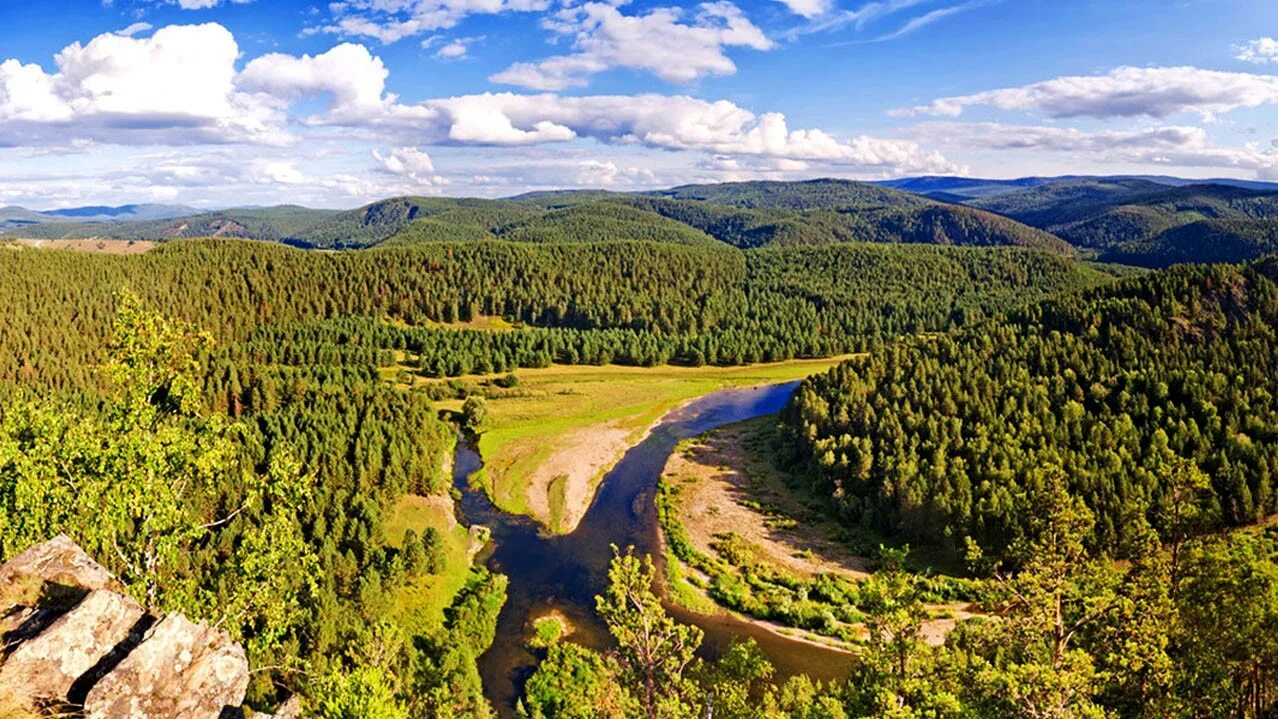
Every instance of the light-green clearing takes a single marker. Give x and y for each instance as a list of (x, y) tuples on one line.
[(548, 441)]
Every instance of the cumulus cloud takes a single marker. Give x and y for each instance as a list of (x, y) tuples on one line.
[(1122, 92), (659, 42), (412, 164), (1262, 51), (180, 86), (1175, 146), (390, 21), (354, 80), (667, 122), (177, 86)]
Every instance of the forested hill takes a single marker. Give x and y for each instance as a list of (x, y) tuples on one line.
[(654, 302), (1141, 222), (739, 214), (1133, 391)]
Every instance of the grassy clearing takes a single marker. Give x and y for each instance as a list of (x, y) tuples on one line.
[(549, 440), (419, 604), (481, 322)]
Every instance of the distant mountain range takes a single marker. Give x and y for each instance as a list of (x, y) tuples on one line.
[(1150, 221), (11, 217)]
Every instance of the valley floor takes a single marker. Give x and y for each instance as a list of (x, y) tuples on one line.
[(549, 440)]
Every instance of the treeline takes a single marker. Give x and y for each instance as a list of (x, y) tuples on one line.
[(1153, 395), (638, 302)]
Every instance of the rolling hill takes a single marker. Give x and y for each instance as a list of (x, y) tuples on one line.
[(11, 217), (1147, 223), (748, 214)]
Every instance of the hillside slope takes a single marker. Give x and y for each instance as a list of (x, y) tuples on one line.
[(1141, 222), (744, 215), (1126, 390)]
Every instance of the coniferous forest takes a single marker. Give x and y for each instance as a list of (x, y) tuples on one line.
[(1087, 449)]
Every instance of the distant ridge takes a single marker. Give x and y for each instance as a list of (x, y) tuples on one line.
[(976, 187), (21, 216), (1146, 220), (741, 214)]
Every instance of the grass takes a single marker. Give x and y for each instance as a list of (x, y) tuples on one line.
[(481, 322), (681, 588), (526, 423), (420, 603)]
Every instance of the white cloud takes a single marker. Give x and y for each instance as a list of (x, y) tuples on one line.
[(659, 42), (177, 86), (928, 18), (276, 172), (412, 164), (1122, 92), (808, 8), (667, 122), (204, 4), (348, 73), (454, 49), (390, 21), (1175, 146), (180, 87), (27, 94), (871, 13), (1262, 51)]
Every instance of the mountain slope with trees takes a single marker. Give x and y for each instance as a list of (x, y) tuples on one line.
[(1150, 395), (739, 214), (1141, 222)]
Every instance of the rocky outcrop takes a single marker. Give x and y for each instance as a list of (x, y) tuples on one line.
[(181, 670), (73, 644), (43, 670)]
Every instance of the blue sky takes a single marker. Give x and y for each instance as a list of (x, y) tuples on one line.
[(222, 102)]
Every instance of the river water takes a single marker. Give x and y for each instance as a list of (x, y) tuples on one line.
[(564, 573)]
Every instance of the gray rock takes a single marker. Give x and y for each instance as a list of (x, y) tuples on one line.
[(42, 670), (58, 561), (40, 584), (181, 670)]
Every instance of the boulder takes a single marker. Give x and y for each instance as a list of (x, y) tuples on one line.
[(59, 562), (42, 670), (40, 584), (181, 670)]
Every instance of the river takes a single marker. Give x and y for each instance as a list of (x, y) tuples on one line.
[(565, 572)]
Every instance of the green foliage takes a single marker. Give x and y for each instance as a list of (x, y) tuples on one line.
[(474, 413), (936, 438), (653, 650), (740, 214), (154, 489), (365, 693), (652, 304), (1144, 223), (573, 682)]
